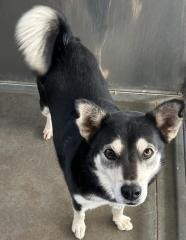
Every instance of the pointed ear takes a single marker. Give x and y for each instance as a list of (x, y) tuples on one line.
[(90, 117), (168, 117)]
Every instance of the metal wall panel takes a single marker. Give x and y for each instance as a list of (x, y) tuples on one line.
[(138, 42)]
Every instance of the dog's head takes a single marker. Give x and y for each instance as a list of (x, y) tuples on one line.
[(126, 148)]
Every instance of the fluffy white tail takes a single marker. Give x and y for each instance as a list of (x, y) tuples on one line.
[(35, 33)]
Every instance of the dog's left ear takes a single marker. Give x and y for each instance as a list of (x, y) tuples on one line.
[(168, 117), (90, 117)]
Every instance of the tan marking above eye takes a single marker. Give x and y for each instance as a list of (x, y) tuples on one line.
[(117, 146), (143, 144)]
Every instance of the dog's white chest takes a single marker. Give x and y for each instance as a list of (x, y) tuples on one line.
[(90, 202)]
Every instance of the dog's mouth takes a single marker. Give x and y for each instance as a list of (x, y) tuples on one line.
[(129, 203), (133, 204)]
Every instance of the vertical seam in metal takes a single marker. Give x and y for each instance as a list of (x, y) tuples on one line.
[(157, 217)]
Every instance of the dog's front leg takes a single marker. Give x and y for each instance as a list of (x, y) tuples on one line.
[(122, 222), (78, 224)]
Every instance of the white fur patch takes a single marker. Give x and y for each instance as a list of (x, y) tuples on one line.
[(149, 168), (78, 224), (141, 145), (122, 222), (117, 146), (48, 130), (32, 33), (45, 111), (90, 202), (146, 170), (111, 179)]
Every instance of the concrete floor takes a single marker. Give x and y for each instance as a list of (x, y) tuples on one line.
[(34, 201)]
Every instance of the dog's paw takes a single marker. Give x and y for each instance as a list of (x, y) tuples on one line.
[(78, 228), (47, 133), (123, 223)]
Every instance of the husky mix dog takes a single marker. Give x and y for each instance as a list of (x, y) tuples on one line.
[(107, 156)]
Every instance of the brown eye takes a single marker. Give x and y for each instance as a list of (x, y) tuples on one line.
[(148, 152), (110, 154)]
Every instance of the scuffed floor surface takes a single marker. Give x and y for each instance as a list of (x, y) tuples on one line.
[(34, 200)]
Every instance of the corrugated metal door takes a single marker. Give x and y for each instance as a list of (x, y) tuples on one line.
[(139, 43)]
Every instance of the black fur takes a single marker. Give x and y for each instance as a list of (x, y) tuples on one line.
[(73, 74)]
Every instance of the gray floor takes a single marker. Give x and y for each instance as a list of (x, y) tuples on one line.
[(34, 201)]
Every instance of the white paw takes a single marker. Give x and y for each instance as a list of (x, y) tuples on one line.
[(47, 133), (78, 228), (123, 223)]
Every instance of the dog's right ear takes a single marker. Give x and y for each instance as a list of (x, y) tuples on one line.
[(90, 117)]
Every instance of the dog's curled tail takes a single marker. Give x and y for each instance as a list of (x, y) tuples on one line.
[(36, 33)]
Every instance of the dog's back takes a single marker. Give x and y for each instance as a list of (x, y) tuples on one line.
[(67, 69)]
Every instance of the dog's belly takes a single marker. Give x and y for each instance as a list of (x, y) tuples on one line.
[(90, 202)]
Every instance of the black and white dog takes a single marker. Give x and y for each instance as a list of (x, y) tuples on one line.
[(107, 156)]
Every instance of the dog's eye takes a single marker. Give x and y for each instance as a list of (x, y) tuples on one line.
[(110, 154), (147, 153)]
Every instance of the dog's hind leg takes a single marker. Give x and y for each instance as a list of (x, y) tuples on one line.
[(48, 129), (122, 222)]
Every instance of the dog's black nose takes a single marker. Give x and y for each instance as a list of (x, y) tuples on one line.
[(131, 192)]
